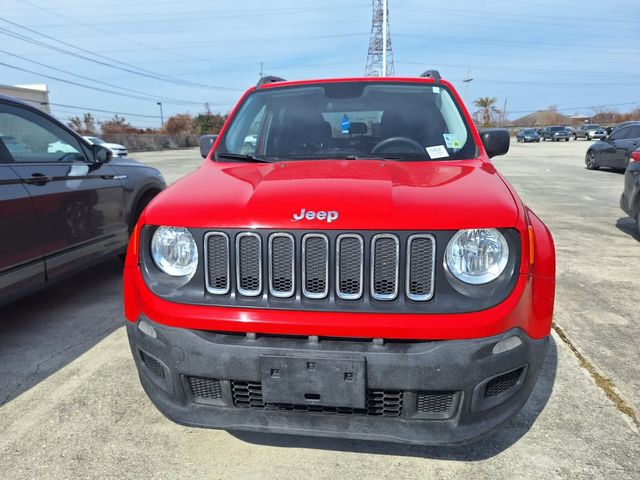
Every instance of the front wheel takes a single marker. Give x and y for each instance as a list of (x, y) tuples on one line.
[(566, 139), (590, 160)]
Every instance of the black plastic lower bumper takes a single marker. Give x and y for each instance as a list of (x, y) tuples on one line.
[(422, 392)]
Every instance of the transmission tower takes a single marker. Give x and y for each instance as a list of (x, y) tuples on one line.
[(380, 56)]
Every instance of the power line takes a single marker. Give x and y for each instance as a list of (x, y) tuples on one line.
[(98, 89), (127, 67), (149, 97)]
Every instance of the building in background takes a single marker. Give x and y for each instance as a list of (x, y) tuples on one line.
[(36, 95)]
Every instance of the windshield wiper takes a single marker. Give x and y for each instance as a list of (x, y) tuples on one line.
[(242, 156)]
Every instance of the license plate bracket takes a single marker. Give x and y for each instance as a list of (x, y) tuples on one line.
[(333, 382)]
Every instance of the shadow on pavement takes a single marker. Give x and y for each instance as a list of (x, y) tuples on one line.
[(44, 332), (486, 447), (628, 225)]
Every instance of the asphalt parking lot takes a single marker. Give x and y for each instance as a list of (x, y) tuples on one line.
[(71, 405)]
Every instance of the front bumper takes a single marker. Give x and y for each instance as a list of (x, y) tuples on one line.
[(424, 392)]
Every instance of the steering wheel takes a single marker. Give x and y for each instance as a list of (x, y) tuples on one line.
[(409, 142)]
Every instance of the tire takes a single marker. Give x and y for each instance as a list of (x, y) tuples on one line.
[(575, 137), (638, 222), (590, 160), (566, 139)]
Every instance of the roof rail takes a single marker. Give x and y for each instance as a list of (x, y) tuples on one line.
[(269, 79), (435, 74)]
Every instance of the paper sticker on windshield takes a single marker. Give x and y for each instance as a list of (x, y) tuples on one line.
[(437, 152), (436, 89), (451, 140)]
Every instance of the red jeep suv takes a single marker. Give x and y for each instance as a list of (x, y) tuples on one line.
[(346, 262)]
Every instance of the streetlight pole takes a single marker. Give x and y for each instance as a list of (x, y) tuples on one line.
[(466, 82), (161, 116)]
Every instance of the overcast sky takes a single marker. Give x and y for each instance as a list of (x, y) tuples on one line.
[(575, 53)]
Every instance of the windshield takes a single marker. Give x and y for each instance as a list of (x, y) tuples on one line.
[(529, 132), (95, 140), (350, 120), (593, 127)]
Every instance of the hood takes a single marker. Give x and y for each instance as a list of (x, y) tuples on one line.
[(362, 194), (113, 145)]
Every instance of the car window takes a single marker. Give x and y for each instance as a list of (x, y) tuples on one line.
[(350, 119), (32, 138), (621, 134), (634, 132)]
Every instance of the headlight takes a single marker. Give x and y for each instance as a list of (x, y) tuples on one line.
[(477, 256), (174, 251)]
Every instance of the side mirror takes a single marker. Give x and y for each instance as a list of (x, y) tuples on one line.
[(495, 141), (206, 142), (101, 154)]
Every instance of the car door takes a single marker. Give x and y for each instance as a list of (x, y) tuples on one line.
[(625, 146), (607, 150), (79, 204), (21, 262)]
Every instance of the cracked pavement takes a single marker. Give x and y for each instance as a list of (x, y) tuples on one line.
[(72, 407)]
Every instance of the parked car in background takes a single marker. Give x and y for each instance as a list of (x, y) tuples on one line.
[(527, 135), (62, 208), (630, 199), (117, 149), (556, 133), (570, 128), (591, 131), (540, 131), (624, 124), (615, 150)]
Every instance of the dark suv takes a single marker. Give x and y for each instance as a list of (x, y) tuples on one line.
[(556, 133), (64, 204)]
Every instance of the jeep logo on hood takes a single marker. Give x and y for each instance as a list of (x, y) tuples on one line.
[(321, 215)]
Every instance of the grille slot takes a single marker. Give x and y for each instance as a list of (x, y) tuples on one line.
[(420, 267), (217, 263), (281, 265), (205, 388), (435, 403), (249, 264), (379, 403), (315, 265), (502, 383), (349, 266), (152, 364), (385, 256)]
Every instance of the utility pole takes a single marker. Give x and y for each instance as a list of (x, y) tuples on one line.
[(466, 82), (261, 69), (380, 54), (384, 38), (161, 116), (504, 113)]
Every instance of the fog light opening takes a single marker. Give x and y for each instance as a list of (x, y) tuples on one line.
[(507, 344), (147, 329)]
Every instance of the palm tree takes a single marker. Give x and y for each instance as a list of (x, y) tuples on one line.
[(487, 107)]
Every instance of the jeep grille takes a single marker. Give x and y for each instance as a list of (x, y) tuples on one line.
[(315, 266)]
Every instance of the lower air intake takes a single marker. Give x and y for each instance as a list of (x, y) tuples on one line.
[(435, 403), (152, 364), (380, 403), (205, 388), (502, 383)]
